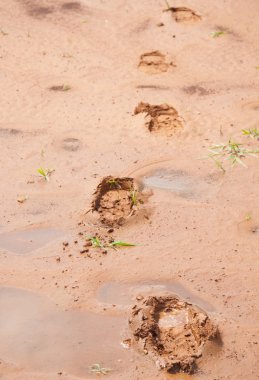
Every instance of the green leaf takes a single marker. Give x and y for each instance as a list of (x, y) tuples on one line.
[(218, 33), (121, 244), (96, 242), (42, 172)]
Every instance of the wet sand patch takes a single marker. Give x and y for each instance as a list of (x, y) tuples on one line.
[(179, 182), (125, 294), (26, 241), (37, 335)]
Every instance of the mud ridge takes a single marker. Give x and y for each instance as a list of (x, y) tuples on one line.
[(170, 331), (160, 117), (154, 62), (116, 199), (183, 14)]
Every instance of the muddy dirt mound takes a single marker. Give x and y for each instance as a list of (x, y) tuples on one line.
[(154, 62), (170, 331), (183, 14), (116, 199), (160, 118)]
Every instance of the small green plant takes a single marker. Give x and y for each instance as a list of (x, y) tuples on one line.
[(217, 33), (96, 242), (62, 87), (45, 173), (114, 183), (232, 151), (248, 217), (134, 197), (99, 370), (121, 244), (252, 132), (66, 87)]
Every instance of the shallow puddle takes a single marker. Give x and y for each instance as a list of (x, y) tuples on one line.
[(176, 181), (25, 241), (37, 335), (125, 294)]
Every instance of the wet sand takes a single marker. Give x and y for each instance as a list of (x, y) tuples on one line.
[(72, 74)]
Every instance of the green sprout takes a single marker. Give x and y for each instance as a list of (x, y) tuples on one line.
[(66, 87), (45, 173), (134, 197), (233, 151), (99, 370), (218, 33), (252, 132), (248, 217), (63, 87), (96, 242), (119, 243), (114, 183)]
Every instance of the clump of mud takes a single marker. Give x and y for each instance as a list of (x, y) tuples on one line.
[(183, 14), (116, 199), (170, 331), (160, 118), (154, 62)]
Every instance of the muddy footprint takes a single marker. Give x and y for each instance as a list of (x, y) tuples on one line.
[(161, 118), (170, 331), (154, 62), (183, 14), (116, 199)]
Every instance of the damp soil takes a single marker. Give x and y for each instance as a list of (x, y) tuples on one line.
[(171, 332), (36, 334), (125, 294), (178, 182), (201, 228), (29, 240)]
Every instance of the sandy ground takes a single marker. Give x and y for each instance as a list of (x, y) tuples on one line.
[(207, 243)]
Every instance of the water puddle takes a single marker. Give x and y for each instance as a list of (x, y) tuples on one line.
[(125, 294), (25, 241), (176, 181), (37, 335)]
